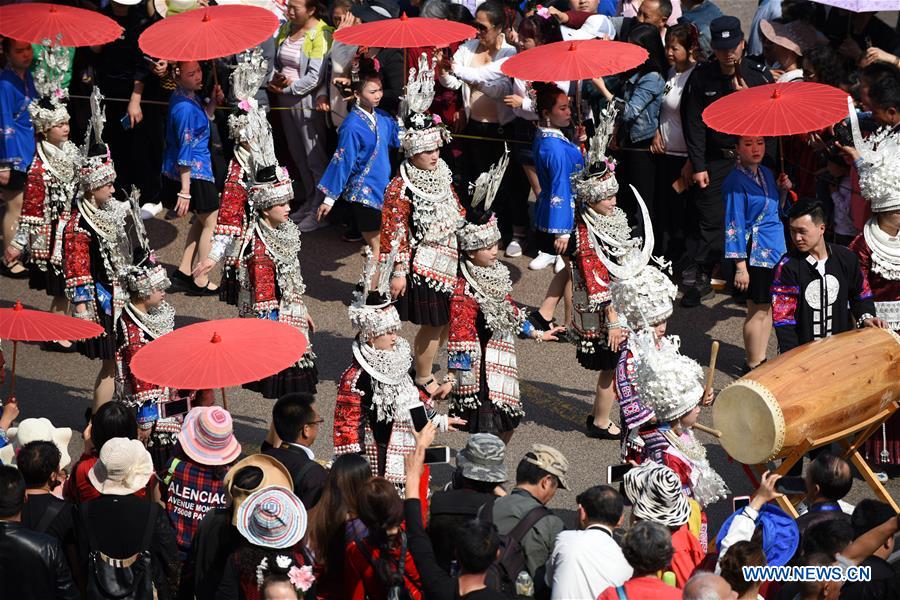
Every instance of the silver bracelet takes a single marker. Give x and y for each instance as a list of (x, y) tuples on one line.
[(184, 196)]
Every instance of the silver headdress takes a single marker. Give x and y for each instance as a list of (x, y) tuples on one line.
[(646, 298), (597, 181), (371, 312), (271, 187), (145, 278), (421, 131), (669, 382), (247, 123), (97, 169), (481, 230), (879, 171), (48, 109)]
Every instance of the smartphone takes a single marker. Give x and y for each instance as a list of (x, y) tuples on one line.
[(739, 502), (843, 135), (126, 122), (419, 417), (791, 486), (437, 454), (173, 408), (617, 472)]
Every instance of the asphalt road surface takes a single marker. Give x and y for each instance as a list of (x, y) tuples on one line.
[(556, 392)]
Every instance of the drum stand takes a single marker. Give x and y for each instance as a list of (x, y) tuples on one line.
[(852, 439)]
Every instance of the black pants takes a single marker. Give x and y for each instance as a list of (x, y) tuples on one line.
[(710, 208), (137, 151), (637, 167), (511, 202), (671, 206)]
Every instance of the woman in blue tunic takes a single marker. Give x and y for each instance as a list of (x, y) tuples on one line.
[(188, 180), (360, 169), (556, 159), (754, 238)]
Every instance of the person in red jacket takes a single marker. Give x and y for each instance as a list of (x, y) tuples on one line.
[(648, 549)]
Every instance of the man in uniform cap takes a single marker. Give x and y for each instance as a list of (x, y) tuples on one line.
[(711, 152)]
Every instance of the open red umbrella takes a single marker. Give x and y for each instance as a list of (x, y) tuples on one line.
[(20, 324), (35, 22), (777, 109), (405, 32), (219, 354), (209, 32), (574, 60)]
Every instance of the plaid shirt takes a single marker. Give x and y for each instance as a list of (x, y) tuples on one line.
[(191, 490)]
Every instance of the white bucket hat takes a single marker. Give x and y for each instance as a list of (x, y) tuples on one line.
[(124, 467), (37, 430)]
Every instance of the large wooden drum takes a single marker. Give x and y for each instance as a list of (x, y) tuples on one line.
[(811, 392)]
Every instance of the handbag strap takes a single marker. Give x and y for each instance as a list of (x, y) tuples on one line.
[(620, 591)]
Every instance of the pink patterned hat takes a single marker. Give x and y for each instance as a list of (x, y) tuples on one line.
[(207, 436)]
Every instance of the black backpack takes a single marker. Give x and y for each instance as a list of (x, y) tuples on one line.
[(502, 574), (120, 578)]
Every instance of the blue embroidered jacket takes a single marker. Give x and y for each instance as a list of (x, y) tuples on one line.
[(361, 166), (753, 228), (556, 159), (187, 139), (16, 131)]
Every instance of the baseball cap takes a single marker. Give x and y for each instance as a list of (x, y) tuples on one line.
[(551, 460), (725, 33)]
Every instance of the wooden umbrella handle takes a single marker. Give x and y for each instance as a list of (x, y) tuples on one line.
[(713, 355)]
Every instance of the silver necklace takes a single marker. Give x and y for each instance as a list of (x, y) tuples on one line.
[(156, 322), (491, 286)]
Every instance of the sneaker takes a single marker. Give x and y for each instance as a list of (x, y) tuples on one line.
[(542, 261), (514, 248), (700, 291), (150, 210), (559, 265), (310, 223)]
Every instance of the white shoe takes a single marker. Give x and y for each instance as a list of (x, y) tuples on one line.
[(559, 265), (310, 223), (514, 248), (542, 261), (150, 210)]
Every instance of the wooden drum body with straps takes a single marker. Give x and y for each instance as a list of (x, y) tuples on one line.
[(810, 393)]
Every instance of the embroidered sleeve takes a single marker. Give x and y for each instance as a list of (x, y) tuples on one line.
[(562, 202), (785, 292), (348, 414), (860, 293), (462, 342), (343, 162), (736, 233), (395, 219), (633, 410), (77, 261), (261, 273), (233, 205), (189, 133), (141, 391), (32, 217), (592, 270), (859, 247)]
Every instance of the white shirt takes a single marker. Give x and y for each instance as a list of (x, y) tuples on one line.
[(670, 113), (584, 563), (493, 82), (792, 75), (306, 449)]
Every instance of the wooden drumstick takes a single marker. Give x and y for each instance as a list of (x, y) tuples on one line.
[(709, 430), (713, 355)]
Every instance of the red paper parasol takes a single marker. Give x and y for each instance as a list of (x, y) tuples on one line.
[(574, 60), (219, 354), (777, 109), (20, 324), (38, 21), (405, 32), (209, 32)]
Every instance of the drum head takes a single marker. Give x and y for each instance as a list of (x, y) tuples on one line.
[(751, 422)]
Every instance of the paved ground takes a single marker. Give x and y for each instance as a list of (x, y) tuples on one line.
[(556, 391)]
